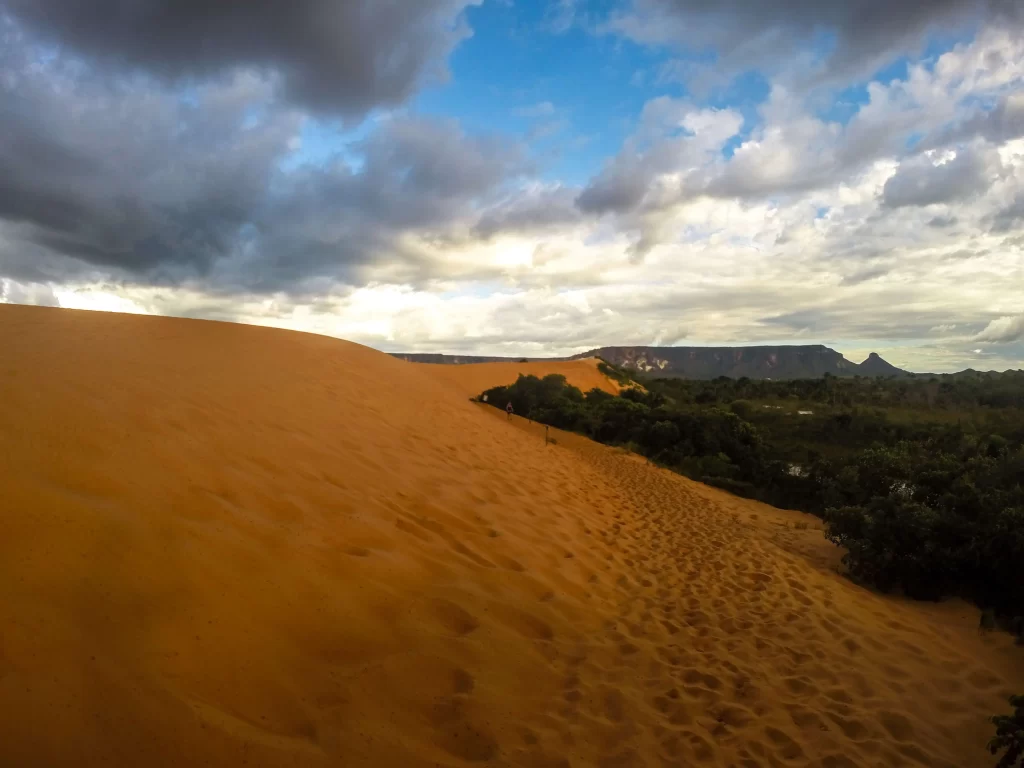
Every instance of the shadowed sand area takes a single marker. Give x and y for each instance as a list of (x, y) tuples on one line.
[(227, 545)]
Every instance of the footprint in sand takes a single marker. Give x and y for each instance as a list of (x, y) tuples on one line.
[(460, 736), (898, 726), (525, 623), (452, 618), (785, 746)]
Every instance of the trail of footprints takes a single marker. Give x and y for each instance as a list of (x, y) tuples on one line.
[(719, 647), (742, 658)]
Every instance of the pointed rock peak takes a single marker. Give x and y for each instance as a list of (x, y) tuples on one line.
[(875, 365)]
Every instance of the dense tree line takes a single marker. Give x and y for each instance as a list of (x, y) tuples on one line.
[(926, 496), (954, 392)]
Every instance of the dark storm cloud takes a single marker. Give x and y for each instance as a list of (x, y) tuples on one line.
[(339, 55), (620, 187), (530, 211), (919, 182), (139, 179), (749, 33), (152, 187), (417, 176)]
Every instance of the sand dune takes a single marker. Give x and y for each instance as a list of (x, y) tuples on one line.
[(227, 545)]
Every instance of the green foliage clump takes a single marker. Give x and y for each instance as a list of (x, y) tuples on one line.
[(932, 523), (1009, 737), (615, 372), (550, 400), (742, 408)]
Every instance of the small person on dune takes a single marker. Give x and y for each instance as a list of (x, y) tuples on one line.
[(508, 410)]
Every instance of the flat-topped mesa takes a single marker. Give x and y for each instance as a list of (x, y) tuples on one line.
[(808, 361), (774, 362)]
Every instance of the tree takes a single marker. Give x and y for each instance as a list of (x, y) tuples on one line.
[(742, 408), (1009, 736)]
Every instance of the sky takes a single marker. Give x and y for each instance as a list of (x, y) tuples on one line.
[(518, 177)]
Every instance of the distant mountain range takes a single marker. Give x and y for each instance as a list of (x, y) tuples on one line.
[(781, 362)]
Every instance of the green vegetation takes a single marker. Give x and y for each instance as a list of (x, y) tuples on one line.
[(920, 479), (1009, 736), (615, 372)]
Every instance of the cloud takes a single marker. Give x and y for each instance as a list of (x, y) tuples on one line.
[(419, 180), (791, 151), (618, 188), (1010, 216), (673, 159), (997, 124), (39, 294), (150, 185), (140, 179), (344, 56), (1003, 330), (535, 209), (747, 34), (560, 16), (673, 139), (863, 275), (925, 180)]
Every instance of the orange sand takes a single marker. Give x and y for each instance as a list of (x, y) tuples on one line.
[(227, 545)]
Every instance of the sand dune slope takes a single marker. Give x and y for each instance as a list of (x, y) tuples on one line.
[(227, 545)]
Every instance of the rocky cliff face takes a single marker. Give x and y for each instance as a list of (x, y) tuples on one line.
[(781, 362)]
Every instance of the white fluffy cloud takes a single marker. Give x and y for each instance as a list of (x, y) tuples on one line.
[(1003, 329)]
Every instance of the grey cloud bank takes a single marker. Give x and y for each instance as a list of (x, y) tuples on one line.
[(347, 56)]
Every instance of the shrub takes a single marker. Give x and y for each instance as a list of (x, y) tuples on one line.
[(615, 372), (742, 408), (890, 544), (1009, 736), (738, 487)]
